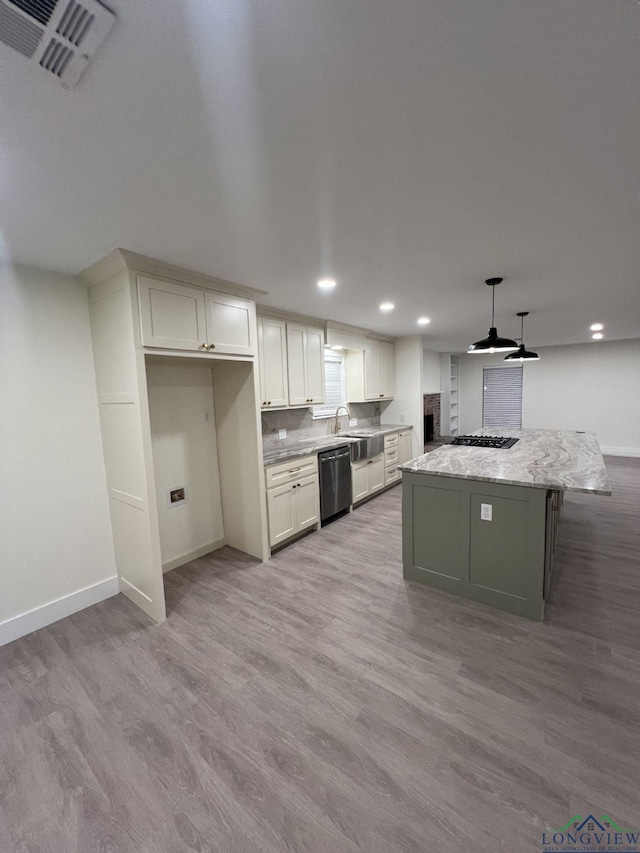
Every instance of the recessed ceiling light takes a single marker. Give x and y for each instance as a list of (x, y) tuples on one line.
[(326, 283), (597, 336), (423, 321), (387, 306), (596, 327)]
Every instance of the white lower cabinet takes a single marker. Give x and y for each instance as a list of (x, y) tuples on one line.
[(391, 459), (367, 477), (404, 446), (293, 501)]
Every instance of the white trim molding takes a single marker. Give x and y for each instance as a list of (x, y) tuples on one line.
[(620, 451), (202, 551), (40, 617)]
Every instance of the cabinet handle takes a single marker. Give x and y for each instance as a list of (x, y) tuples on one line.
[(382, 395)]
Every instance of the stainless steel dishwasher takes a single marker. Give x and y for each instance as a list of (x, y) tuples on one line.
[(335, 481)]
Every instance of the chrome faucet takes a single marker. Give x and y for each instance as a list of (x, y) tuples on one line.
[(337, 428)]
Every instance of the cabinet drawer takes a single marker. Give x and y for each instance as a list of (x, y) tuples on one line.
[(294, 469), (392, 474), (391, 440), (390, 456)]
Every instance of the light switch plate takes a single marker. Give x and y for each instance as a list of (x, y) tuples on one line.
[(353, 422), (486, 512), (282, 433)]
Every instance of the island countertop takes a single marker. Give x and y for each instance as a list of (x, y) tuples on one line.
[(542, 459)]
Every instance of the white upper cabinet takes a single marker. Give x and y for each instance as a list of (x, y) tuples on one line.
[(372, 387), (272, 357), (387, 368), (176, 316), (370, 373), (230, 324), (172, 315), (305, 365)]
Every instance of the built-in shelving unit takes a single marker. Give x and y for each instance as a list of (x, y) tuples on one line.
[(449, 387)]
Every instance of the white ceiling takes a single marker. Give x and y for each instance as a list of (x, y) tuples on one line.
[(408, 149)]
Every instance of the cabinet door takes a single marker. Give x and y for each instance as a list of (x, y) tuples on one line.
[(372, 369), (314, 347), (376, 473), (404, 447), (172, 316), (230, 324), (296, 365), (272, 355), (386, 369), (282, 513), (360, 480), (307, 500)]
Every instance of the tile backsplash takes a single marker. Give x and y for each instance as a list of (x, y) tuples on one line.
[(300, 424)]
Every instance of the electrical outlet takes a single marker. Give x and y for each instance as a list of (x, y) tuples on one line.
[(282, 433), (353, 422), (486, 512)]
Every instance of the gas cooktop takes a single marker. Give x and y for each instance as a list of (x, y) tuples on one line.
[(497, 442)]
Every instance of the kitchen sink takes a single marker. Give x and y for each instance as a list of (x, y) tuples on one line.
[(365, 448)]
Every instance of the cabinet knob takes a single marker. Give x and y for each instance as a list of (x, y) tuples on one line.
[(205, 346), (294, 485), (382, 395), (268, 402), (298, 484), (212, 346)]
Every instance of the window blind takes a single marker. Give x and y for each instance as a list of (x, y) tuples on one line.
[(502, 398), (334, 387)]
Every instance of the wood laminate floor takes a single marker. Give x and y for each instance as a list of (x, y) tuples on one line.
[(320, 703)]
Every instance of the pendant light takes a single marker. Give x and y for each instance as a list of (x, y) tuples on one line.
[(493, 343), (522, 354)]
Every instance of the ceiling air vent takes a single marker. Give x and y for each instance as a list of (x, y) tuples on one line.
[(60, 35)]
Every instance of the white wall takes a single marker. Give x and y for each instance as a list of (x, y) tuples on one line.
[(55, 539), (407, 406), (430, 372), (594, 387), (185, 453)]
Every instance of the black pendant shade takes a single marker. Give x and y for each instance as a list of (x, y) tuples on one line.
[(522, 354), (493, 343)]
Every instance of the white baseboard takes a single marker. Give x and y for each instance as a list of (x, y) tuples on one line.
[(40, 617), (620, 451), (192, 555)]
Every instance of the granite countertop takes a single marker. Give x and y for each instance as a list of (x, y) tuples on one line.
[(543, 459), (308, 446)]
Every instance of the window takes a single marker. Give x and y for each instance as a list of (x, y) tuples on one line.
[(502, 397), (335, 393)]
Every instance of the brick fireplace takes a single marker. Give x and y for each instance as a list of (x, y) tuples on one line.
[(431, 406)]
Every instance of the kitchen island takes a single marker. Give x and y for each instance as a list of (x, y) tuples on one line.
[(481, 523)]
